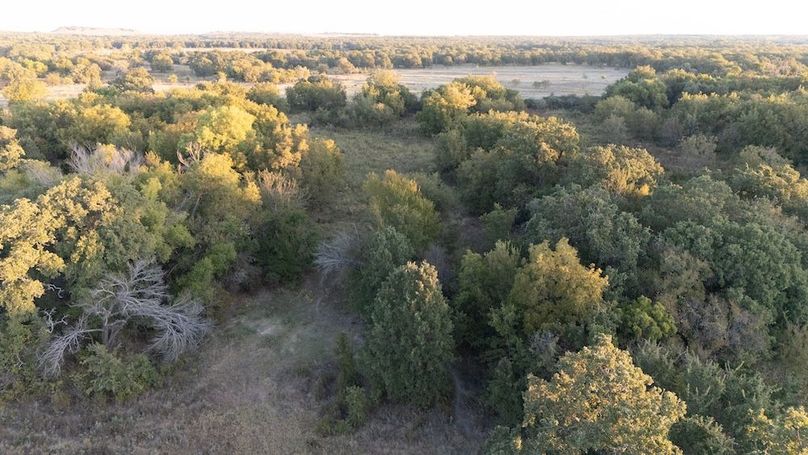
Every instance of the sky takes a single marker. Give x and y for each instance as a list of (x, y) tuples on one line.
[(416, 17)]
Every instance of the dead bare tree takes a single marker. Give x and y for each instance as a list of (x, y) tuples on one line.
[(338, 254), (103, 159), (138, 296)]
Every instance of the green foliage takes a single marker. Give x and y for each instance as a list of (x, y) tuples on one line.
[(10, 150), (24, 89), (645, 319), (383, 252), (729, 395), (787, 433), (595, 225), (599, 400), (444, 107), (382, 100), (322, 171), (396, 201), (503, 392), (275, 143), (701, 435), (642, 87), (316, 92), (484, 282), (752, 258), (135, 80), (498, 223), (21, 337), (409, 339), (96, 124), (222, 129), (286, 242), (448, 105), (626, 171), (526, 156), (267, 93), (106, 376)]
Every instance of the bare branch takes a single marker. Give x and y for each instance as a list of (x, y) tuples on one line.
[(335, 256), (104, 160), (138, 295)]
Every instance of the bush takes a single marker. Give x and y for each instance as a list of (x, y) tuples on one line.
[(397, 201), (383, 252), (316, 92), (21, 337), (286, 242), (322, 173), (628, 417), (498, 223), (267, 93), (106, 376), (409, 341)]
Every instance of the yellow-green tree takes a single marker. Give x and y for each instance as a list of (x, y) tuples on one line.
[(10, 150), (554, 290), (396, 201), (786, 434), (599, 401), (222, 129), (24, 89)]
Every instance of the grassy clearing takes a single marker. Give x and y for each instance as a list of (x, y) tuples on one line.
[(400, 147)]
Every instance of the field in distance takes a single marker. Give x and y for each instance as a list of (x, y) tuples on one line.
[(530, 81)]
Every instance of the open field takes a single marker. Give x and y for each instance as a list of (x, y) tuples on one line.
[(551, 79)]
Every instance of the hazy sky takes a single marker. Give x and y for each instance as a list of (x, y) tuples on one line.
[(416, 17)]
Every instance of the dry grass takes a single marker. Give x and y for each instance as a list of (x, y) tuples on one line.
[(251, 389), (560, 79), (399, 146)]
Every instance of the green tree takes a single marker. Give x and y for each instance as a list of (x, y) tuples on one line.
[(786, 434), (444, 107), (484, 282), (384, 251), (624, 170), (409, 340), (222, 129), (24, 89)]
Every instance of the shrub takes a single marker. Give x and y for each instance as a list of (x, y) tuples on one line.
[(383, 252), (267, 93), (316, 92), (286, 242), (498, 223), (554, 291), (106, 376), (21, 337), (599, 401), (322, 172), (409, 340), (645, 319), (397, 201)]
